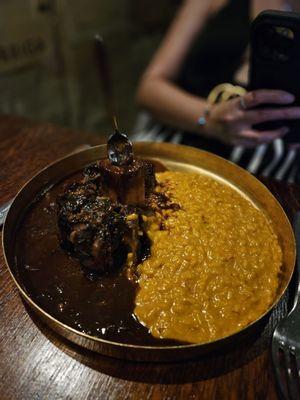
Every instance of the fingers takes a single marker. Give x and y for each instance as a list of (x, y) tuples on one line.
[(265, 96), (266, 136), (252, 138), (269, 136), (272, 114)]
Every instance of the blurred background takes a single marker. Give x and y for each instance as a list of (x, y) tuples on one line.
[(48, 70)]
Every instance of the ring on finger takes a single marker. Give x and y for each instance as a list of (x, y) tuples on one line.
[(243, 103)]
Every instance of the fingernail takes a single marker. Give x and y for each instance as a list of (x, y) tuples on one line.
[(288, 97)]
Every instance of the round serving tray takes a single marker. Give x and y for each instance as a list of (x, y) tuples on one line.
[(174, 157)]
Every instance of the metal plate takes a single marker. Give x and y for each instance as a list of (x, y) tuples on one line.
[(175, 157)]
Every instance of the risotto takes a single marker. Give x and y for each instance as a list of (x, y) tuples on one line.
[(214, 262)]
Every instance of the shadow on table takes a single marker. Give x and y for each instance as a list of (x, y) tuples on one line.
[(205, 367)]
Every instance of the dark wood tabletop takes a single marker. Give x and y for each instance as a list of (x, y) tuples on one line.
[(36, 364)]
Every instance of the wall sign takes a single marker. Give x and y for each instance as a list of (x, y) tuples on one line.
[(22, 43)]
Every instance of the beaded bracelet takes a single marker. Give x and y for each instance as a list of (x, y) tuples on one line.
[(203, 119)]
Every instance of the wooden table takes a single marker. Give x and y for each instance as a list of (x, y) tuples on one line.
[(36, 364)]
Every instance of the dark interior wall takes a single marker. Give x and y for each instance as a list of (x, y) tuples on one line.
[(47, 66)]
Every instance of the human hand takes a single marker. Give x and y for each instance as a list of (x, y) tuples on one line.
[(232, 121)]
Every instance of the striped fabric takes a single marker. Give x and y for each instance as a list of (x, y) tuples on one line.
[(272, 160)]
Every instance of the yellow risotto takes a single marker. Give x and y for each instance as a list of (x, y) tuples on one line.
[(214, 263)]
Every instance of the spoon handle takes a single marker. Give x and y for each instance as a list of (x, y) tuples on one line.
[(3, 212), (104, 70)]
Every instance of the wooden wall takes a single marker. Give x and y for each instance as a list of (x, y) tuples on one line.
[(47, 67)]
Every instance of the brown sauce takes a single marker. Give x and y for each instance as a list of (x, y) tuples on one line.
[(99, 306)]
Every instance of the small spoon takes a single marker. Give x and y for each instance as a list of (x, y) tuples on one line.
[(119, 148)]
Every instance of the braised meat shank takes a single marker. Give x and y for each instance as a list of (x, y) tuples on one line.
[(100, 218)]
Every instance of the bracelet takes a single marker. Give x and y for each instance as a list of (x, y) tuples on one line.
[(203, 119)]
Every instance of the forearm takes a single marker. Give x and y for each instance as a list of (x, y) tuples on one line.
[(170, 104)]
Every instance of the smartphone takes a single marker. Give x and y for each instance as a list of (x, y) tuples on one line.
[(275, 61)]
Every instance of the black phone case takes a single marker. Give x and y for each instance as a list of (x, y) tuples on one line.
[(275, 61)]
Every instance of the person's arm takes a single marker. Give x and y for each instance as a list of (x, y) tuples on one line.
[(230, 122), (156, 91)]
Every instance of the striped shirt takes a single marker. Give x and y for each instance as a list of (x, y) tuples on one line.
[(274, 160)]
